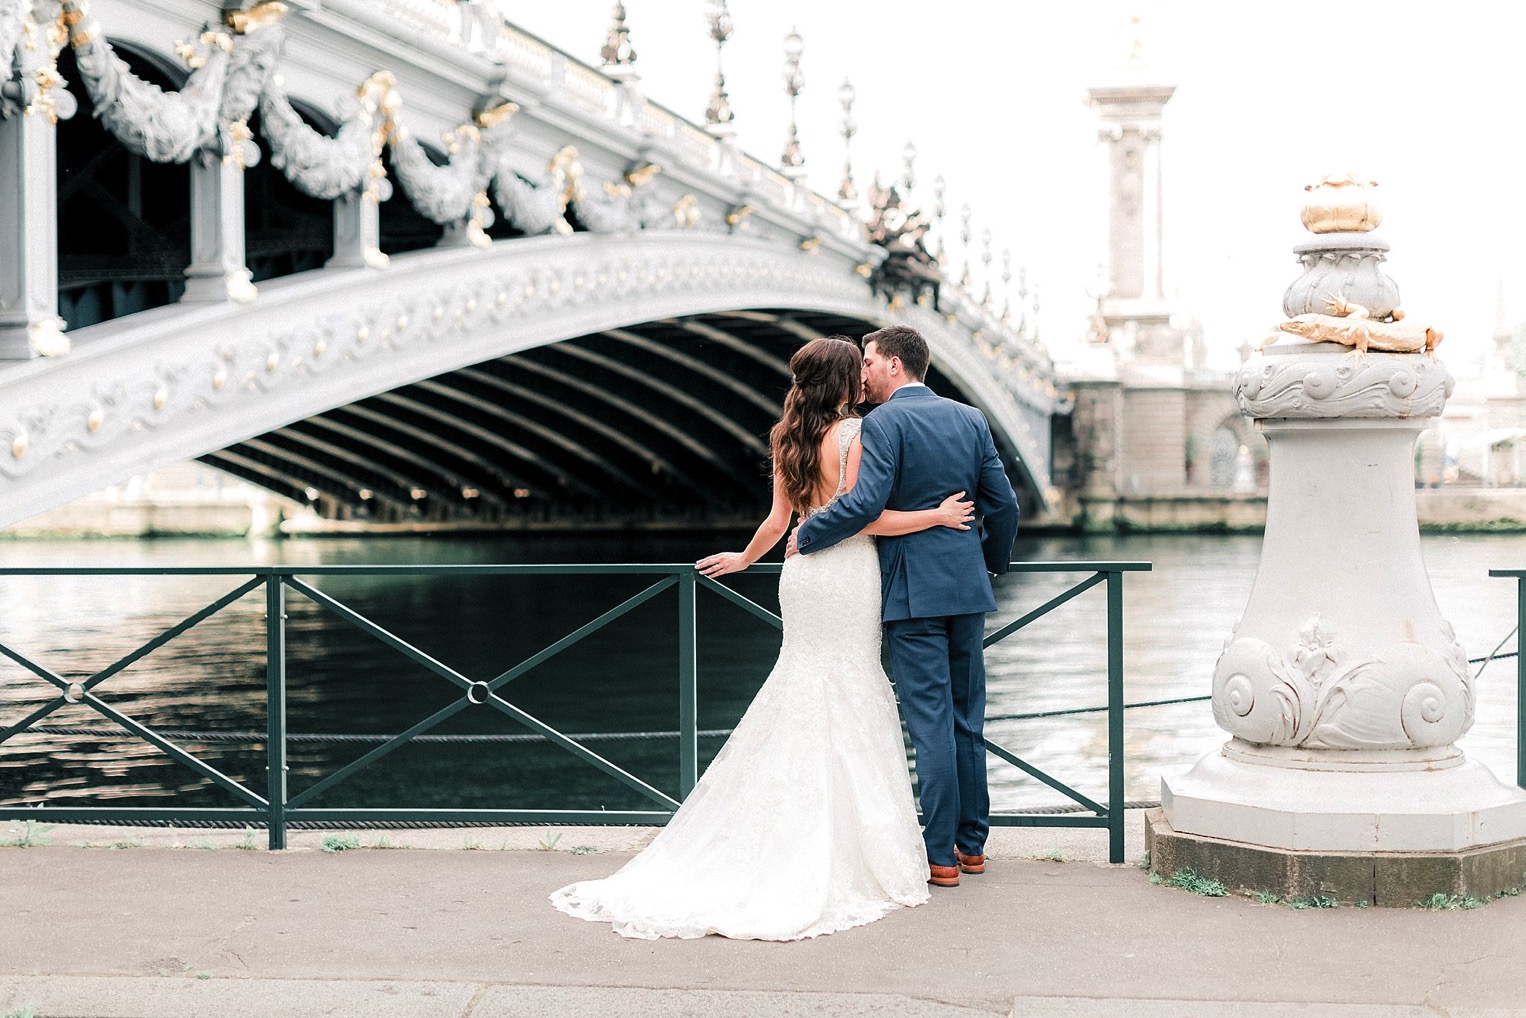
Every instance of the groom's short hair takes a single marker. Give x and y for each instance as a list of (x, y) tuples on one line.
[(904, 342)]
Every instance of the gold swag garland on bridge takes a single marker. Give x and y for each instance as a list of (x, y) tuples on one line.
[(233, 73)]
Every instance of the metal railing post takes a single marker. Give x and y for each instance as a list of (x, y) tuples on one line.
[(1115, 810), (275, 707), (1520, 682), (688, 688)]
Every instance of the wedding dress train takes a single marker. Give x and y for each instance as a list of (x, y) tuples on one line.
[(804, 823)]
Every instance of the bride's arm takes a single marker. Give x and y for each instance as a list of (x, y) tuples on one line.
[(768, 533), (954, 511)]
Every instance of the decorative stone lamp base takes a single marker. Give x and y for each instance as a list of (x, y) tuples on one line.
[(1392, 879), (1386, 828)]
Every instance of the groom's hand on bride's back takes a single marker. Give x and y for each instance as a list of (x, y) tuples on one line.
[(792, 546)]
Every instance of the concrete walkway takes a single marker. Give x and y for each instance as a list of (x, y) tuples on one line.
[(180, 924)]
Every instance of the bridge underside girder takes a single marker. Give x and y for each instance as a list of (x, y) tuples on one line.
[(661, 422)]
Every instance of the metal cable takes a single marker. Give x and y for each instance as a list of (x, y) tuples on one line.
[(332, 738), (1493, 654), (423, 825), (518, 737)]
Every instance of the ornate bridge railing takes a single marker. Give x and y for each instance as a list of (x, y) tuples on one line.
[(275, 806)]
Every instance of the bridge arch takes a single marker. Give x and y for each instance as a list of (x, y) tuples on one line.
[(663, 357)]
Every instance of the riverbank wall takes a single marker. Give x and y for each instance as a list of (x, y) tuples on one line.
[(1440, 510)]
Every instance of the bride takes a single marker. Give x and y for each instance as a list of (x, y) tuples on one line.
[(804, 823)]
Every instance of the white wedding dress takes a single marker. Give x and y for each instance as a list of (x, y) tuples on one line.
[(804, 823)]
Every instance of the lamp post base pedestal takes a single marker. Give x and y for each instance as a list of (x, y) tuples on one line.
[(1390, 879)]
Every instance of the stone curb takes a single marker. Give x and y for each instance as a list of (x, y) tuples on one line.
[(191, 997)]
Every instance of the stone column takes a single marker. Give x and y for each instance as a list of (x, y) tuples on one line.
[(1130, 117), (31, 104), (1342, 687), (217, 271), (357, 232)]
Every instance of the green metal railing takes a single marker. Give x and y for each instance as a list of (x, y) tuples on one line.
[(275, 807), (1519, 575)]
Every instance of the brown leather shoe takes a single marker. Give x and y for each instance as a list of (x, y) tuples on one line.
[(971, 863), (942, 876)]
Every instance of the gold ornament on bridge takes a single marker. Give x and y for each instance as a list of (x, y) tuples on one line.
[(1341, 204), (1350, 325), (258, 16), (495, 115), (641, 173), (255, 17), (238, 148), (686, 212)]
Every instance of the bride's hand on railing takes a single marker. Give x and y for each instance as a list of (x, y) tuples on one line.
[(955, 511), (722, 563)]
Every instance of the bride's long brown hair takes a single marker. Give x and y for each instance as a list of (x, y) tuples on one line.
[(827, 371)]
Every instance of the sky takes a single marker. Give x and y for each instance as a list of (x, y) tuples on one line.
[(1423, 98)]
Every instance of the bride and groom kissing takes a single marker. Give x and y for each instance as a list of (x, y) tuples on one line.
[(804, 823)]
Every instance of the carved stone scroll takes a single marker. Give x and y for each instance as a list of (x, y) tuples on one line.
[(1324, 381)]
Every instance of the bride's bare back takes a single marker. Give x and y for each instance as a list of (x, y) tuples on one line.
[(831, 466)]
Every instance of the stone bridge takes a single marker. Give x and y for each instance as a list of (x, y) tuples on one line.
[(403, 261)]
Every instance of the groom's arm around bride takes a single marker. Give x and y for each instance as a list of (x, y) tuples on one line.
[(917, 448)]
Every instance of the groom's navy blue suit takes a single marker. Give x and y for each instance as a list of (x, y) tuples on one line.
[(918, 449)]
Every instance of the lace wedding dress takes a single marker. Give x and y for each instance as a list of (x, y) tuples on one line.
[(804, 823)]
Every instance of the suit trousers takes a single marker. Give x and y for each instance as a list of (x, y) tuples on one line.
[(940, 679)]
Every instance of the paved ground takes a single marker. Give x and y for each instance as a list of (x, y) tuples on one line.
[(152, 930)]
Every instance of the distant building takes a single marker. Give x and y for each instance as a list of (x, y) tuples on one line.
[(1159, 442)]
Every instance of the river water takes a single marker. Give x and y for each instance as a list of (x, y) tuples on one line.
[(621, 679)]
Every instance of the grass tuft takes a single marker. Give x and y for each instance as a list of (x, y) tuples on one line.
[(1312, 901), (1051, 855), (548, 842), (27, 834), (1267, 898), (585, 850), (1189, 879), (340, 842), (24, 1011)]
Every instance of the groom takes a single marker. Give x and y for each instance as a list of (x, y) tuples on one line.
[(935, 591)]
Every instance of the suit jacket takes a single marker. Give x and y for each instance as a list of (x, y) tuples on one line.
[(920, 448)]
